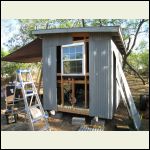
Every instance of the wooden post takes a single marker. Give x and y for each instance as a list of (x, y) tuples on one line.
[(40, 78), (62, 91), (37, 78), (73, 88)]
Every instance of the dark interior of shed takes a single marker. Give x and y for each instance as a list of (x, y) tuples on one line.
[(74, 90)]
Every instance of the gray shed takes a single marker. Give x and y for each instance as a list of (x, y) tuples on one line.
[(79, 69)]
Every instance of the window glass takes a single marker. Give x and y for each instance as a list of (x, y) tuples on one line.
[(72, 56), (79, 49), (66, 50), (73, 67), (72, 49), (66, 57), (73, 59), (79, 55)]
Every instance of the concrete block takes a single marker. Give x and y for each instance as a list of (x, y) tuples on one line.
[(78, 121)]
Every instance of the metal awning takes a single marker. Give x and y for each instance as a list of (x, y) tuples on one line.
[(30, 53)]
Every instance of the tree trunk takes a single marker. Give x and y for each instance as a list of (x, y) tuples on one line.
[(100, 23), (136, 72), (83, 23), (129, 50), (124, 61)]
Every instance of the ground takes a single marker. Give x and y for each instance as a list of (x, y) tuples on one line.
[(65, 123)]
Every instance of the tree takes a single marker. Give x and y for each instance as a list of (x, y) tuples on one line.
[(83, 22), (130, 28), (130, 46), (140, 61), (8, 69)]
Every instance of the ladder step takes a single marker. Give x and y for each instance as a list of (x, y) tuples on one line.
[(28, 91), (31, 94), (37, 119), (23, 71), (35, 106), (27, 82), (18, 99)]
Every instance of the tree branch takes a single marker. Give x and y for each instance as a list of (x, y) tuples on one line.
[(100, 23), (135, 37), (83, 22), (130, 67), (128, 43)]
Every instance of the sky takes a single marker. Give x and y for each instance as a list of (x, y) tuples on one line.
[(10, 27)]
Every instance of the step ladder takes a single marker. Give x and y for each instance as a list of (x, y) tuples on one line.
[(126, 94), (33, 106)]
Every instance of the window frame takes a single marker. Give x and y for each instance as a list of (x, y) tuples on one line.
[(83, 59)]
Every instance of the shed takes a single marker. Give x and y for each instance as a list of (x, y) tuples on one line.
[(79, 68)]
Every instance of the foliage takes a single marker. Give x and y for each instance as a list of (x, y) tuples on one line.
[(140, 61), (129, 30), (8, 69)]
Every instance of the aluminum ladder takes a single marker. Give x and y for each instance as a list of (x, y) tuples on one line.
[(31, 108), (126, 94)]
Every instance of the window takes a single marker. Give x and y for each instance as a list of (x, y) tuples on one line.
[(73, 57)]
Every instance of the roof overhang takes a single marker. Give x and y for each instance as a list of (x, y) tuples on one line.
[(30, 53), (115, 32)]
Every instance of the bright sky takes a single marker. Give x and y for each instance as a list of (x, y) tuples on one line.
[(10, 27)]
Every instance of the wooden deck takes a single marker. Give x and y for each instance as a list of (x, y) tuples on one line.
[(74, 110)]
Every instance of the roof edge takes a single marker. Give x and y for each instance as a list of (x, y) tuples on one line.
[(76, 29)]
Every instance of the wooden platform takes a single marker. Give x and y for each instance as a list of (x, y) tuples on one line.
[(74, 110)]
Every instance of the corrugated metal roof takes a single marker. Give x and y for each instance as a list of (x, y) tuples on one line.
[(77, 29), (29, 53), (115, 32)]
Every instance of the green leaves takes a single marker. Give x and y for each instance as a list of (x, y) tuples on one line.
[(129, 28), (140, 61)]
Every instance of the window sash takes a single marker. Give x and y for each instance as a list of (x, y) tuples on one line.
[(76, 59)]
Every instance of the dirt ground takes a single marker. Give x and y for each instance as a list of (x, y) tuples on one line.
[(65, 122)]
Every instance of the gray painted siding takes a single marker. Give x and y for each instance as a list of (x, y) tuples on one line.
[(49, 68), (100, 71), (49, 75)]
